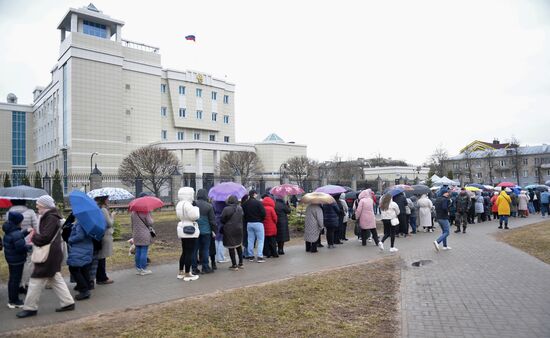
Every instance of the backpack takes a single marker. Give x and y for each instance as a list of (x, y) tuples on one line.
[(462, 203)]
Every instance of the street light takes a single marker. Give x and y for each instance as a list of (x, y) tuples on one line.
[(91, 159)]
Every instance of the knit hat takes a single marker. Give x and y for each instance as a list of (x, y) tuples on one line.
[(46, 201), (15, 217)]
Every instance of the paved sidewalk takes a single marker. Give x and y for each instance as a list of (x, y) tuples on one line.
[(480, 288)]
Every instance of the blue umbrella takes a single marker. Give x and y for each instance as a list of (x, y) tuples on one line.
[(88, 214), (394, 191)]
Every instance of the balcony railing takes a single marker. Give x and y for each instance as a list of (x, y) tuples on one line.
[(140, 46)]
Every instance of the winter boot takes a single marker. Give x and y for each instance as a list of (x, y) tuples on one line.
[(464, 229), (457, 229)]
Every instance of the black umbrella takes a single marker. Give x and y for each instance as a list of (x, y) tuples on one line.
[(352, 194), (418, 189)]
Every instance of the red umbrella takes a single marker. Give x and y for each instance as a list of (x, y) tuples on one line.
[(286, 189), (506, 184), (145, 204), (5, 203)]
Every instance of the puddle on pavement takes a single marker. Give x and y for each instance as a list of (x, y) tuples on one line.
[(422, 263)]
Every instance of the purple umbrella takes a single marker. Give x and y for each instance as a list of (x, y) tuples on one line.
[(331, 189), (222, 191)]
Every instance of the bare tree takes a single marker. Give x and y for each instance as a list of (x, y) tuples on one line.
[(490, 158), (153, 165), (300, 168), (437, 159), (245, 164), (515, 157), (469, 162)]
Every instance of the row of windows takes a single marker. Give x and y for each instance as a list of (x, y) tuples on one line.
[(502, 163), (198, 93), (196, 136), (182, 113), (95, 29), (18, 139)]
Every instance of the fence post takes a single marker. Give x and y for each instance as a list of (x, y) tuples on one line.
[(139, 185), (47, 183), (96, 179), (175, 185), (354, 183)]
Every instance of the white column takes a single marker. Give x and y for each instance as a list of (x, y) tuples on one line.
[(198, 168), (217, 160), (118, 32), (74, 22)]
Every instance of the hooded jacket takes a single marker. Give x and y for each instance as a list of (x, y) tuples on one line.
[(15, 248), (207, 219), (270, 220), (479, 203), (187, 212), (503, 203), (81, 248), (331, 215), (232, 220), (48, 226), (365, 210)]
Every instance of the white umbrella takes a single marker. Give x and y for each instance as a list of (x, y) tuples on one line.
[(115, 194)]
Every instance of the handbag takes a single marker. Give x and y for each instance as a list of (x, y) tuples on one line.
[(40, 253), (394, 221), (152, 232)]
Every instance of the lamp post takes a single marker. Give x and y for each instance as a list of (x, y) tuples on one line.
[(91, 159)]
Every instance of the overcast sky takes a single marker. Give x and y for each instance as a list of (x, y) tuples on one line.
[(352, 78)]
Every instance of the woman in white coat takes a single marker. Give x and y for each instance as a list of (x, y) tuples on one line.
[(188, 231), (425, 206)]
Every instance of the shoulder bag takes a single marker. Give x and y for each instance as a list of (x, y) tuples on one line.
[(40, 253), (152, 231), (395, 221)]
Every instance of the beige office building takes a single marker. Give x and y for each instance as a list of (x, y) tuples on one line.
[(110, 96)]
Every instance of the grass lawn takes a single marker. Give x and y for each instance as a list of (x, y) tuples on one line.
[(533, 239), (353, 301)]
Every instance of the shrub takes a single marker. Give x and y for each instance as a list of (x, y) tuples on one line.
[(117, 233), (296, 219)]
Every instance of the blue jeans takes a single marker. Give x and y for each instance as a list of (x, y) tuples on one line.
[(544, 209), (255, 233), (141, 256), (503, 218), (202, 249), (220, 250), (412, 221), (444, 224)]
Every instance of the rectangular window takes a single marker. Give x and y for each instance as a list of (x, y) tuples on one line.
[(226, 99), (214, 116), (226, 119), (163, 111), (214, 96), (502, 163), (182, 112), (212, 137), (525, 161), (525, 173), (196, 136), (18, 138), (226, 139), (95, 29), (479, 175), (180, 135), (199, 114), (198, 92), (182, 90), (162, 88), (164, 135)]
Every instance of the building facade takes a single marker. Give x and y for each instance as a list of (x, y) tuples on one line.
[(110, 96), (522, 165)]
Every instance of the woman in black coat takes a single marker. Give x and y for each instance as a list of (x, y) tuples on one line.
[(282, 210), (232, 221)]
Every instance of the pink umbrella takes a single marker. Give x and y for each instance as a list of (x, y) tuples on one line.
[(506, 184), (286, 189), (145, 204)]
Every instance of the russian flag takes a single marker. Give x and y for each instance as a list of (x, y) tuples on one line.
[(190, 37)]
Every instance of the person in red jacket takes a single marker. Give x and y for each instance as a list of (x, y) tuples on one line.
[(270, 228), (494, 207)]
